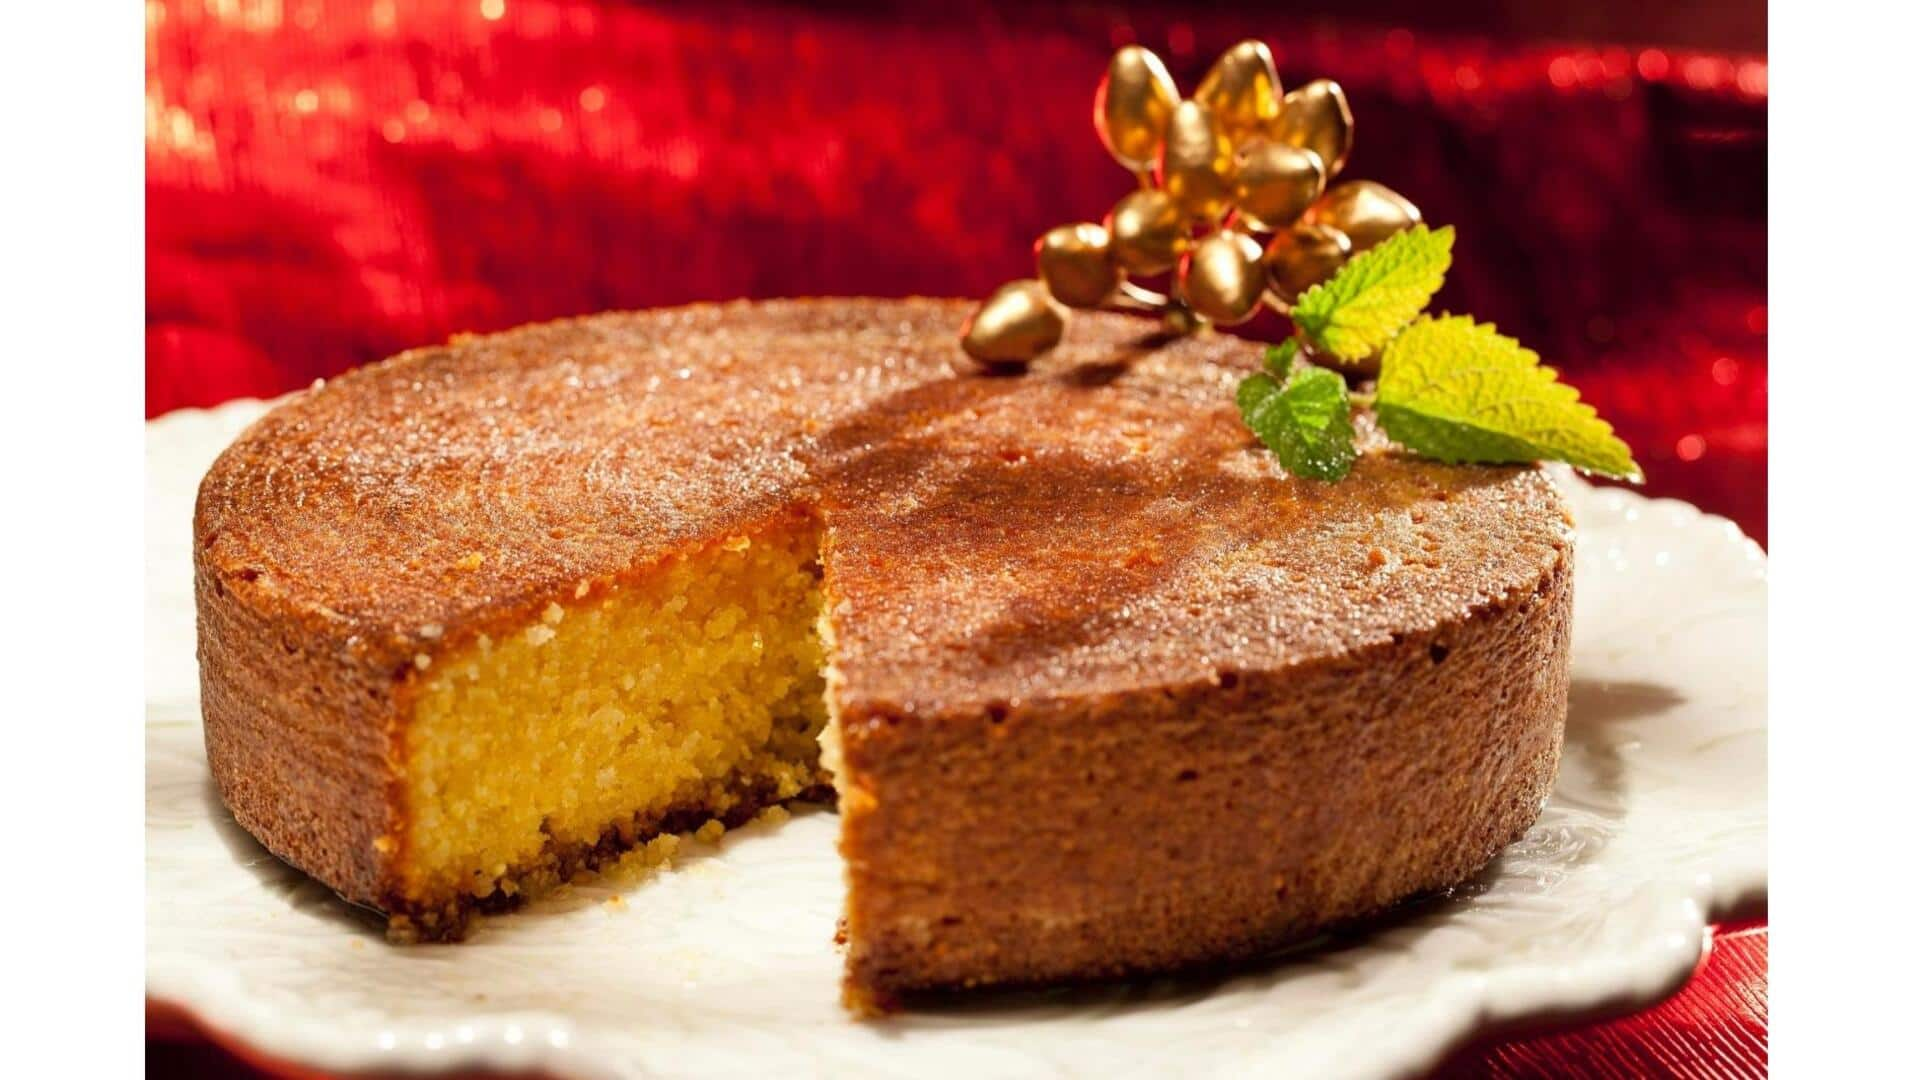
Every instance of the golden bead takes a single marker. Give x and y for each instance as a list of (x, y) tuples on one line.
[(1222, 278), (1242, 89), (1131, 108), (1017, 323), (1076, 263), (1148, 233), (1367, 212), (1196, 165), (1299, 258), (1274, 183), (1316, 117)]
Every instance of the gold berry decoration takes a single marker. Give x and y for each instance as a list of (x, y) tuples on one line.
[(1017, 323), (1236, 207)]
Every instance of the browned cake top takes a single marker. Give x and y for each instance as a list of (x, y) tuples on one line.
[(1102, 523)]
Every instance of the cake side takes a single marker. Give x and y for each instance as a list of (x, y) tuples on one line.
[(1193, 825), (300, 732)]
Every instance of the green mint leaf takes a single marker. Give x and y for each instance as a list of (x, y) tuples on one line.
[(1352, 314), (1306, 422), (1459, 391), (1280, 358)]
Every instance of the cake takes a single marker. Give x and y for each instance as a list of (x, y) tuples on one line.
[(1100, 689)]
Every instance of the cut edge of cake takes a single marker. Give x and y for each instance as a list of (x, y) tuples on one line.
[(693, 689), (685, 692)]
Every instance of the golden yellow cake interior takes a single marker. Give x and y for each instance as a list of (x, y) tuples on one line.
[(681, 691)]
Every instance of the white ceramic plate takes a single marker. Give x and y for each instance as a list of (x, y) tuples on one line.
[(724, 964)]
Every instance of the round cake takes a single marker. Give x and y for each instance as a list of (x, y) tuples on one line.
[(1101, 689)]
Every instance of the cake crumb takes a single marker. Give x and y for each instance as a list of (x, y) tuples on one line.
[(432, 631), (539, 634), (710, 832), (616, 901), (471, 561), (655, 854), (736, 543), (774, 815), (422, 661), (580, 591), (553, 614)]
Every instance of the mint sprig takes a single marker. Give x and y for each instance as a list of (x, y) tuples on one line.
[(1460, 391), (1449, 388), (1351, 315), (1279, 358), (1305, 420)]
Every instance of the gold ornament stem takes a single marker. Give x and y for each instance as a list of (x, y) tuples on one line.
[(1145, 176), (1277, 304), (1138, 298)]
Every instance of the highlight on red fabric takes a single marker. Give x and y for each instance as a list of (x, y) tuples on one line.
[(331, 183)]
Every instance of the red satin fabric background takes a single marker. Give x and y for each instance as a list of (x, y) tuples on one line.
[(332, 182)]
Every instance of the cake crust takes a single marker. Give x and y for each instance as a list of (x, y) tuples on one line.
[(1114, 693)]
